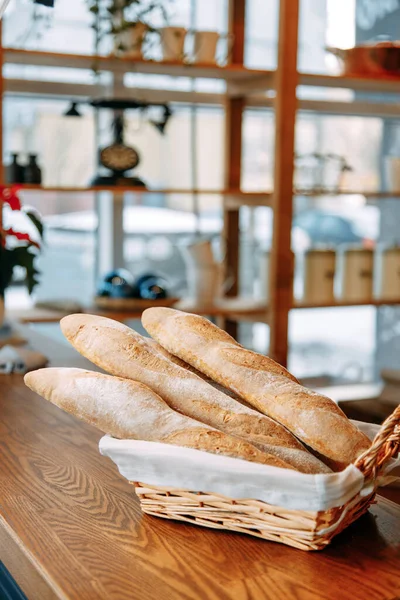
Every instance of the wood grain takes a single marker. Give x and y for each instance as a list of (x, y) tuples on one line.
[(71, 527)]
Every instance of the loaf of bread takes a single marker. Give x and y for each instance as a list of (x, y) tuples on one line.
[(129, 410), (122, 352), (181, 363), (313, 418)]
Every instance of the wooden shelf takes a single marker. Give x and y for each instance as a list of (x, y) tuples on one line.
[(341, 304), (234, 73), (252, 79)]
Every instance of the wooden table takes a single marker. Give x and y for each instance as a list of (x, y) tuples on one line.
[(71, 527)]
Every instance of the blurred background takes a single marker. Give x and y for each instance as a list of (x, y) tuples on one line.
[(343, 137)]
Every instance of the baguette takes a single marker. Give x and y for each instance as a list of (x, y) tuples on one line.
[(181, 363), (129, 410), (122, 352), (313, 418)]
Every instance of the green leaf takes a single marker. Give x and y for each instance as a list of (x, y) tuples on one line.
[(36, 221)]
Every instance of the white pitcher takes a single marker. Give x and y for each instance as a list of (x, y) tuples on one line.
[(172, 43), (204, 284), (199, 253)]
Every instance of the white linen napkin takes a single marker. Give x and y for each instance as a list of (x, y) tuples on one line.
[(20, 360), (184, 468)]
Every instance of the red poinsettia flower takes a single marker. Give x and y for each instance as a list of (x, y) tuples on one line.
[(22, 237), (9, 195)]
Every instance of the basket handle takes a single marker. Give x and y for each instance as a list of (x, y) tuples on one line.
[(385, 445)]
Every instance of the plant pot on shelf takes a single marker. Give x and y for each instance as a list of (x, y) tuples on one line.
[(128, 41), (205, 47), (172, 43)]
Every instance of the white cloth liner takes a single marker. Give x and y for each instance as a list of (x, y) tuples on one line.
[(183, 468)]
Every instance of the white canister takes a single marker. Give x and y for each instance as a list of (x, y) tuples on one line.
[(387, 273), (129, 41), (392, 173), (354, 274), (172, 43), (205, 47), (318, 276)]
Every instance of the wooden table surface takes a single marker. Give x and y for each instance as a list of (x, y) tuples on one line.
[(71, 526)]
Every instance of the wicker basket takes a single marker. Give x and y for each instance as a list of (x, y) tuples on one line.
[(302, 529)]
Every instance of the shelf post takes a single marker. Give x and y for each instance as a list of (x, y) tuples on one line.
[(233, 157), (282, 268)]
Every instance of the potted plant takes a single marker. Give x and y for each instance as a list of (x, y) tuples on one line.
[(129, 21), (17, 248)]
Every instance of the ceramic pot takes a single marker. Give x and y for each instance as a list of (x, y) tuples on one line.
[(204, 284), (172, 43), (129, 42), (392, 173), (205, 47), (319, 273), (354, 274), (387, 273), (199, 253)]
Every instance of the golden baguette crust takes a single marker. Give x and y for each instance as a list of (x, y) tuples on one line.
[(129, 410), (185, 365), (313, 418), (122, 352)]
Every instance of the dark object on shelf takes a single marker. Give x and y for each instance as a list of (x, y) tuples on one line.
[(117, 284), (15, 172), (72, 111), (33, 173), (151, 287), (118, 157)]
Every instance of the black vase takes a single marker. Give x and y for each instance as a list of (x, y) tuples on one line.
[(33, 173), (15, 172)]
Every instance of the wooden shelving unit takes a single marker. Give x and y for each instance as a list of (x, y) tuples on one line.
[(277, 90)]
